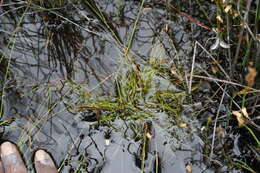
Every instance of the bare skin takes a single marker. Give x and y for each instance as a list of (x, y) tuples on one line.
[(11, 160)]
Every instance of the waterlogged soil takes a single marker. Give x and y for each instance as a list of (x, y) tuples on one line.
[(50, 58)]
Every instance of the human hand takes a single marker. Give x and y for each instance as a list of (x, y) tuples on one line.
[(11, 160)]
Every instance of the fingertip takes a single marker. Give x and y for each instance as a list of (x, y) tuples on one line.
[(44, 162), (8, 148), (44, 158), (11, 159), (40, 155)]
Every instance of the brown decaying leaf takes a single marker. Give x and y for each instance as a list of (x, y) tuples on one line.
[(221, 132), (149, 135), (183, 125), (239, 116), (234, 13), (189, 168), (177, 75), (219, 19), (250, 63), (250, 77), (244, 112), (214, 69), (227, 8), (216, 62)]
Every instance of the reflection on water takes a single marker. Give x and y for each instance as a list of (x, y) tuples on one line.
[(48, 48)]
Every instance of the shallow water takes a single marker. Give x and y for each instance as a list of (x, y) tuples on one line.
[(49, 49)]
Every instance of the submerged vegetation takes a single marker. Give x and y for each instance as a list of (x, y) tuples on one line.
[(163, 81)]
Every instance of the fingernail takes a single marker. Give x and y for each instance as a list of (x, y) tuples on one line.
[(7, 148), (44, 158)]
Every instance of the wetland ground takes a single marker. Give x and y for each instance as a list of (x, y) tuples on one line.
[(132, 85)]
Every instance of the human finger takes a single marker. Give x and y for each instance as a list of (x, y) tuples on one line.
[(44, 163), (11, 159)]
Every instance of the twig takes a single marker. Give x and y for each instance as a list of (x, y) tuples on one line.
[(227, 82), (192, 67), (193, 63), (190, 18), (215, 124)]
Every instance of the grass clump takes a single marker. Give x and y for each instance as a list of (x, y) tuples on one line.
[(135, 97), (162, 81)]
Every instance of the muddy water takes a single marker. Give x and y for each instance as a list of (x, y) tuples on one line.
[(51, 48)]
